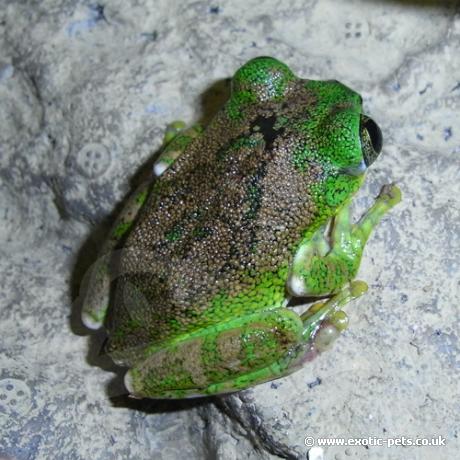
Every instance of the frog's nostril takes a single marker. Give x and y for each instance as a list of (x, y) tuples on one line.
[(371, 139)]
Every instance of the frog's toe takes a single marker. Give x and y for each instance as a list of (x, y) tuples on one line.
[(176, 140), (391, 194), (324, 321), (327, 334), (90, 321), (128, 382), (160, 167), (296, 285), (172, 129), (329, 330), (96, 299)]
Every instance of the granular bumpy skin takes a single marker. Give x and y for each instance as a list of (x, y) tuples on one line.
[(217, 233)]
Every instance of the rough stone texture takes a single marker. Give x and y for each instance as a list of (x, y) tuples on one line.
[(85, 94)]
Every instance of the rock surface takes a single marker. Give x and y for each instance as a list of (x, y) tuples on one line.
[(86, 91)]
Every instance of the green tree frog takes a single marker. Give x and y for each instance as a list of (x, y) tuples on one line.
[(240, 217)]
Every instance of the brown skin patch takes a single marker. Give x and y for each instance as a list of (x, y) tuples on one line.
[(248, 205), (186, 358), (229, 346), (193, 363)]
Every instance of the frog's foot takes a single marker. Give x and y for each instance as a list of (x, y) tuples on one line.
[(324, 321), (176, 139), (324, 264), (239, 353), (101, 274)]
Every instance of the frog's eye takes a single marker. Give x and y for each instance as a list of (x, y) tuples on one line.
[(371, 139)]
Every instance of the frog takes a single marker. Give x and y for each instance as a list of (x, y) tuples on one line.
[(240, 219)]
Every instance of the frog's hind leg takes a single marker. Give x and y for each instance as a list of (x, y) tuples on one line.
[(175, 140), (321, 267), (239, 353), (222, 358), (101, 274)]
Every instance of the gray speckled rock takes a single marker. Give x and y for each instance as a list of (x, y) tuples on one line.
[(85, 94)]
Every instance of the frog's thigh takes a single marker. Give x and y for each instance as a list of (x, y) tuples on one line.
[(96, 300), (322, 267), (175, 141), (227, 357)]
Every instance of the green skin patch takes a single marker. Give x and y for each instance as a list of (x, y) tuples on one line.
[(263, 76), (233, 226)]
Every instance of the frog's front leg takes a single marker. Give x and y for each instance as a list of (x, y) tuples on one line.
[(102, 272), (175, 140), (321, 267)]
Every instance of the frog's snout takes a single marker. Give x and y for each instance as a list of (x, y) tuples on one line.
[(371, 139)]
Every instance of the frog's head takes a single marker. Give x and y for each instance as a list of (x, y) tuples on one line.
[(325, 116), (335, 139), (338, 135), (320, 125)]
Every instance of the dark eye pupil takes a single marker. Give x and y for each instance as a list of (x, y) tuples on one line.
[(371, 139), (374, 133)]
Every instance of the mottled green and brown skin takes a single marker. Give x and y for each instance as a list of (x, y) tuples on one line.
[(233, 226)]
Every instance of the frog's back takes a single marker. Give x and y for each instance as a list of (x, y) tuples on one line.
[(217, 233)]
